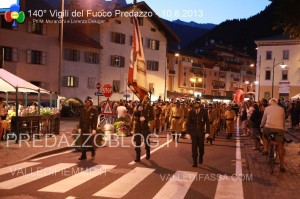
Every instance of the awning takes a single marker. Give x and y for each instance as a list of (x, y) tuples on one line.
[(9, 82), (296, 97)]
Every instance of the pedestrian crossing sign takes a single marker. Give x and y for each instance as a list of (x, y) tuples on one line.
[(107, 110)]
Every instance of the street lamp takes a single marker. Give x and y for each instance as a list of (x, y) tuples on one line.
[(194, 80), (282, 65)]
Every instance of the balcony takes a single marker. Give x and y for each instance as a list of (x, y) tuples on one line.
[(195, 65), (223, 69), (235, 70), (172, 72)]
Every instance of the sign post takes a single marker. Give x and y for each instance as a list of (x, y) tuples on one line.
[(98, 86), (107, 92)]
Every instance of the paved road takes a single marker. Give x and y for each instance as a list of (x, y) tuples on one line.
[(112, 174), (168, 174)]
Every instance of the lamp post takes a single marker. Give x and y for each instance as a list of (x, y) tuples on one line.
[(274, 65), (257, 82), (194, 80)]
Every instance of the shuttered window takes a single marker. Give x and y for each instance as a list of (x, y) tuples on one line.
[(36, 57), (118, 38), (71, 54), (70, 81), (117, 61)]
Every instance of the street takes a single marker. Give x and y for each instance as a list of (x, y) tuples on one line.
[(231, 169), (113, 174)]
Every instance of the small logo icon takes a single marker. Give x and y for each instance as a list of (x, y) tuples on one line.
[(14, 14)]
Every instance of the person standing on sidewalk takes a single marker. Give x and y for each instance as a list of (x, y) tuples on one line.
[(255, 119), (88, 126), (274, 121), (197, 126)]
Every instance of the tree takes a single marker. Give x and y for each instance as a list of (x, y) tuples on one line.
[(288, 16)]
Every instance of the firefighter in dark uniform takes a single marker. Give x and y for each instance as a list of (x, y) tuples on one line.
[(143, 113), (88, 125), (197, 126)]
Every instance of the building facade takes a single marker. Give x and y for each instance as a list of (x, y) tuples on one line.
[(214, 73), (278, 65)]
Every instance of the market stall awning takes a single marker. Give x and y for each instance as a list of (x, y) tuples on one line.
[(9, 82), (296, 97)]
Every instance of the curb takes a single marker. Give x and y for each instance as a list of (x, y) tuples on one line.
[(293, 135), (49, 152), (41, 154)]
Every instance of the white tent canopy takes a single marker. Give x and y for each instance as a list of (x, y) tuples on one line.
[(9, 82), (296, 97)]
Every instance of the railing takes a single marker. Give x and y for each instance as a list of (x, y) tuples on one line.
[(32, 126)]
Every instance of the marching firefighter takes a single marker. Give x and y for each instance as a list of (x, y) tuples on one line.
[(142, 114), (176, 117), (88, 126)]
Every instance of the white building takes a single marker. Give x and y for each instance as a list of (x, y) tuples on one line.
[(108, 46), (281, 55)]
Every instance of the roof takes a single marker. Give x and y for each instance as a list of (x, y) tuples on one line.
[(277, 40), (73, 35), (9, 82)]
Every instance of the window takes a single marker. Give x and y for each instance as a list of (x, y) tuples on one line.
[(284, 74), (117, 21), (36, 83), (10, 54), (71, 54), (70, 81), (116, 86), (91, 82), (4, 24), (91, 57), (36, 57), (131, 38), (268, 55), (153, 29), (152, 65), (140, 20), (117, 61), (285, 54), (37, 28), (151, 88), (268, 75), (153, 44), (118, 38)]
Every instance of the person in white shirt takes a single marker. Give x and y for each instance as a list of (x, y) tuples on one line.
[(274, 121)]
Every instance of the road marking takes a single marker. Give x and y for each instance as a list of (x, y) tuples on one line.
[(17, 167), (70, 197), (77, 179), (123, 185), (16, 182), (177, 186), (232, 186), (48, 156), (156, 149)]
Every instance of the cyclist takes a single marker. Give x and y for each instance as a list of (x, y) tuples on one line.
[(274, 121)]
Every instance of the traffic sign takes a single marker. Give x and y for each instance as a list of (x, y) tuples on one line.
[(107, 90), (107, 110), (98, 94), (98, 85)]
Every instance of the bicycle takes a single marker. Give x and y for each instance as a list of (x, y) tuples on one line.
[(273, 155)]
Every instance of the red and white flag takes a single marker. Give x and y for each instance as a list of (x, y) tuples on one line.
[(137, 79)]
